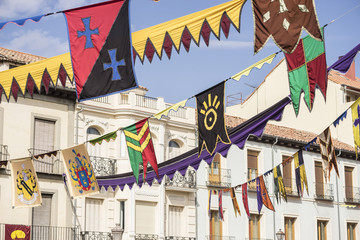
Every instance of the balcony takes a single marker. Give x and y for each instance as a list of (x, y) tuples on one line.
[(180, 113), (186, 181), (146, 237), (217, 237), (146, 102), (218, 177), (352, 194), (48, 164), (179, 238), (324, 191), (103, 166), (290, 187)]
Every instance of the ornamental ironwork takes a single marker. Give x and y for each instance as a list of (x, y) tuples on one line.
[(146, 237), (179, 238), (218, 177), (89, 235), (186, 181), (103, 166)]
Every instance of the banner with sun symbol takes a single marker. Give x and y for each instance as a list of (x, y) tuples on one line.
[(211, 119), (79, 171), (26, 192), (17, 232)]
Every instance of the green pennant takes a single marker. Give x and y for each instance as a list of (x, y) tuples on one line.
[(106, 137)]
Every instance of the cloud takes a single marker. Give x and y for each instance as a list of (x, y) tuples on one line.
[(37, 42)]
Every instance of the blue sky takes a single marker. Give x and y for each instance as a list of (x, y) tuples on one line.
[(185, 74)]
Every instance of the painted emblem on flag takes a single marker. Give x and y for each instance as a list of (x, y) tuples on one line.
[(79, 171), (211, 120), (26, 192), (17, 232)]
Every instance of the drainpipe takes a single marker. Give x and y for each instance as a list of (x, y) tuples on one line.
[(273, 162), (337, 199), (76, 143)]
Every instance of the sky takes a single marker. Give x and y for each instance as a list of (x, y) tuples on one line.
[(187, 73)]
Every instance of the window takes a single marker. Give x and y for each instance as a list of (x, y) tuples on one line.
[(319, 179), (254, 227), (351, 231), (174, 149), (122, 215), (93, 215), (44, 136), (175, 222), (321, 230), (349, 184), (287, 177), (252, 161), (92, 133), (41, 216), (289, 228), (215, 226), (145, 217), (214, 171)]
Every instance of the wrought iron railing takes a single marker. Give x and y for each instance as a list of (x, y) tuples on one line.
[(186, 181), (103, 166), (324, 191), (218, 237), (48, 233), (146, 237), (90, 235), (4, 153), (290, 186), (145, 101), (352, 194), (179, 238), (218, 177), (47, 164)]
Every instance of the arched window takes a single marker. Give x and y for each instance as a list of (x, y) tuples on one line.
[(174, 149), (92, 133)]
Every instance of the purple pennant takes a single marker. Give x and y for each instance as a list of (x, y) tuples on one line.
[(258, 192), (343, 64), (238, 136)]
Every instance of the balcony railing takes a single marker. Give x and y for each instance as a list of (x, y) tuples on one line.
[(89, 235), (324, 191), (101, 99), (4, 153), (124, 98), (146, 237), (186, 181), (48, 233), (290, 187), (258, 239), (103, 166), (179, 238), (47, 164), (145, 101), (352, 194), (218, 177), (217, 237), (180, 113)]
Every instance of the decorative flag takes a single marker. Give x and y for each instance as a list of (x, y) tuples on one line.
[(107, 137), (100, 47), (355, 111), (279, 184), (257, 65), (234, 201), (164, 36), (79, 171), (221, 212), (21, 22), (327, 151), (245, 199), (211, 119), (340, 118), (26, 191), (209, 202), (17, 232), (309, 143), (30, 77), (300, 174), (262, 194), (306, 70), (343, 64), (174, 107), (140, 147), (283, 21)]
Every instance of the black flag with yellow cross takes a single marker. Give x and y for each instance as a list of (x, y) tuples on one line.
[(211, 119)]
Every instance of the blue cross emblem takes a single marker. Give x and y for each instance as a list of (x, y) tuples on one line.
[(87, 32), (357, 121), (114, 65)]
